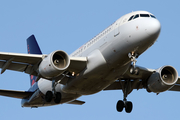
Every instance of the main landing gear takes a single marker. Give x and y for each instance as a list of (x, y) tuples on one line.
[(53, 94), (124, 104), (126, 88)]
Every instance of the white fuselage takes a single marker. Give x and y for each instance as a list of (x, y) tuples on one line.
[(107, 56)]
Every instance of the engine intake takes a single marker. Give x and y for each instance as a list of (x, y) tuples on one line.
[(54, 64), (163, 79)]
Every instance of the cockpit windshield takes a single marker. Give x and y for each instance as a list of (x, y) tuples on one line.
[(152, 16), (144, 15), (131, 18), (136, 16), (141, 15)]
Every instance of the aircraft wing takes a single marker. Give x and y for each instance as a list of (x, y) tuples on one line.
[(176, 87), (15, 94), (19, 62), (28, 63), (137, 81)]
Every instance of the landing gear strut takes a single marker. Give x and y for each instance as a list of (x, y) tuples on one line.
[(133, 56), (125, 104), (53, 94)]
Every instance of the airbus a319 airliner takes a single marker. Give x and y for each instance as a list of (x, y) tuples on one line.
[(106, 62)]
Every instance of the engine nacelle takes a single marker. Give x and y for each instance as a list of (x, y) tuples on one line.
[(54, 64), (163, 79)]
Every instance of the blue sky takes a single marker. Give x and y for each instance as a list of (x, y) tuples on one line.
[(66, 25)]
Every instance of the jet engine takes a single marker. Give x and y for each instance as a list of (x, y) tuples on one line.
[(162, 79), (54, 64)]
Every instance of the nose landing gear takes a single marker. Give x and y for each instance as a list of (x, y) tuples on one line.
[(133, 56)]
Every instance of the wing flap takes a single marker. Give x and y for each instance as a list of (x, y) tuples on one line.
[(14, 66), (76, 102), (27, 68), (15, 94)]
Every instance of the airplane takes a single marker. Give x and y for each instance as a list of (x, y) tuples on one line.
[(106, 62)]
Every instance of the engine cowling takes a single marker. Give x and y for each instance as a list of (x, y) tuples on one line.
[(163, 79), (54, 64)]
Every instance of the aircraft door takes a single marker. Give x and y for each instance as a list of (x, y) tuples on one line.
[(116, 29)]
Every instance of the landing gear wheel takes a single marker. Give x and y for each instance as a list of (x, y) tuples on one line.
[(128, 106), (48, 96), (134, 70), (57, 99), (120, 106), (127, 89)]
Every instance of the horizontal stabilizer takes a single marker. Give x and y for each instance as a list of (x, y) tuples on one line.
[(15, 94), (76, 102)]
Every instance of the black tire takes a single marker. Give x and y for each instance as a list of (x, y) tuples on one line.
[(120, 106), (57, 100), (132, 70), (136, 71), (48, 96), (128, 107)]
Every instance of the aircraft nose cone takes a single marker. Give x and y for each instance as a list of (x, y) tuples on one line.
[(153, 28)]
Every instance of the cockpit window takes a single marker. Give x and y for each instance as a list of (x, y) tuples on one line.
[(131, 18), (136, 16), (144, 15), (152, 16), (141, 15)]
